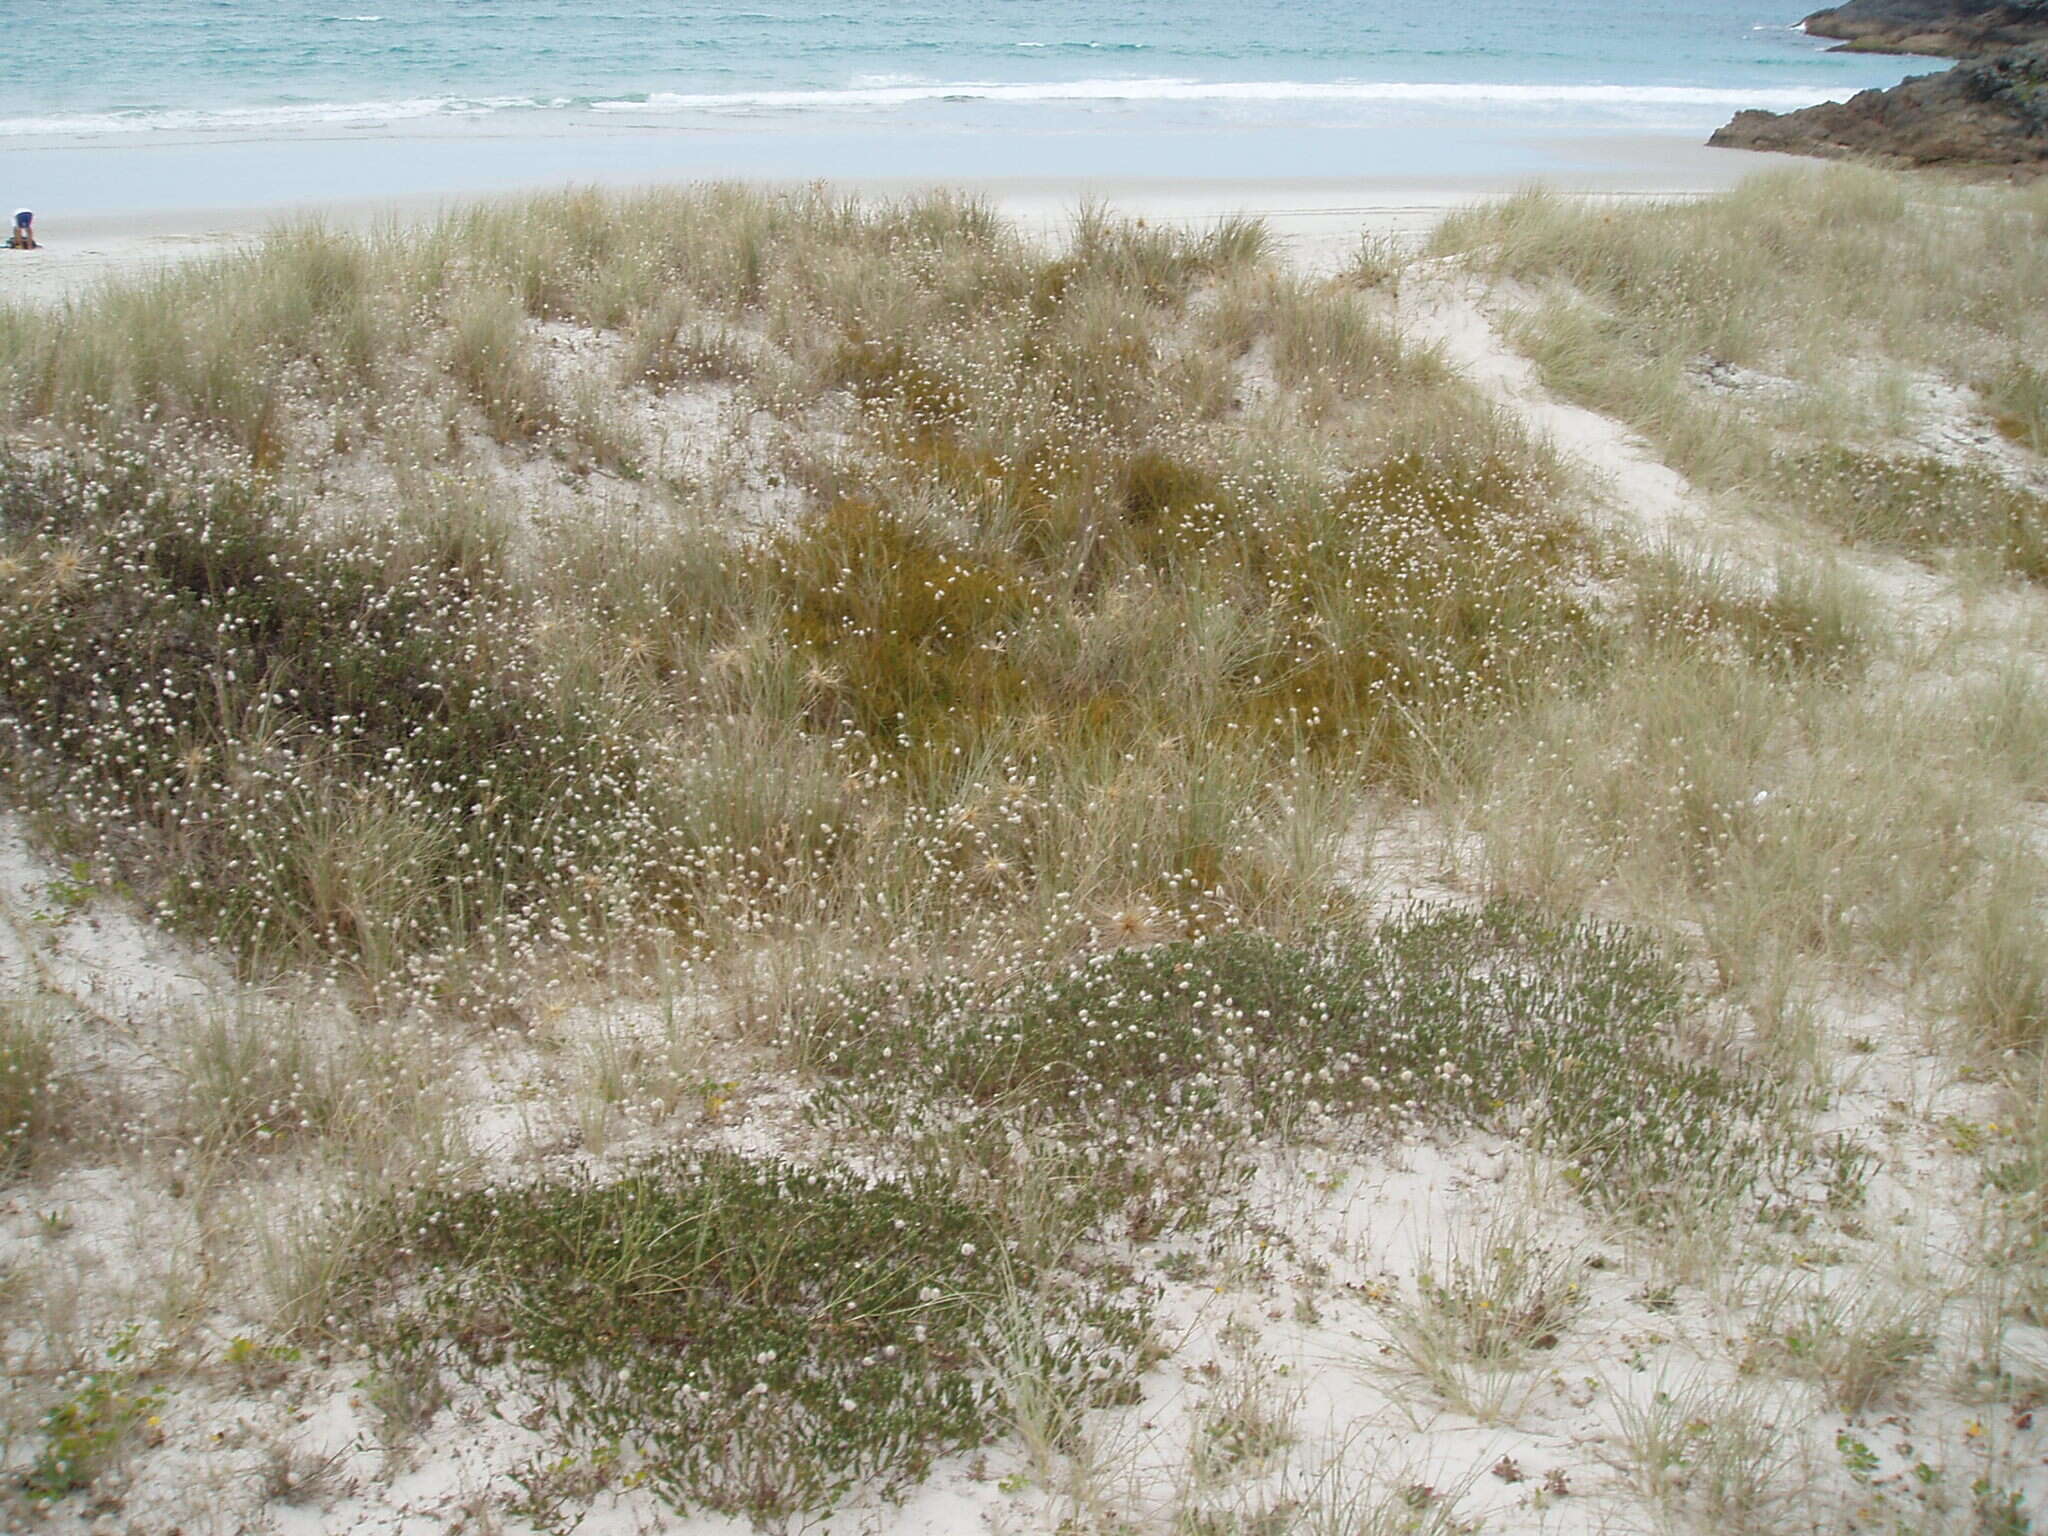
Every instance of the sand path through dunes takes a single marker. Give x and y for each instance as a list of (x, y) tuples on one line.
[(1441, 304)]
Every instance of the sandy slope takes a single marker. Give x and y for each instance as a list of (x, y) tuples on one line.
[(1300, 1302)]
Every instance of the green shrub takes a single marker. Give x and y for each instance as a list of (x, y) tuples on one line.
[(1163, 1065), (749, 1335), (342, 749)]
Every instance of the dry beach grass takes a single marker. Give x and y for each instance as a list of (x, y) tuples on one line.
[(729, 858)]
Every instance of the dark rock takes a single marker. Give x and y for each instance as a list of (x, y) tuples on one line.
[(1954, 29), (1982, 114)]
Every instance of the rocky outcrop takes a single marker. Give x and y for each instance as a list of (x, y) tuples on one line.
[(1950, 29), (1982, 114)]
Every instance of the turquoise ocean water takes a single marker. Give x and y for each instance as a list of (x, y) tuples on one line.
[(116, 104)]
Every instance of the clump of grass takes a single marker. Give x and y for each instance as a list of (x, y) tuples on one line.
[(2016, 1171), (755, 1337), (1245, 1419), (307, 1263), (1742, 799), (253, 1081), (1331, 340), (1859, 1344), (1159, 260), (2018, 396), (1731, 277), (1496, 1306), (1418, 584), (1376, 261), (676, 343), (2002, 970), (1166, 1063), (403, 1395), (1705, 1452), (1798, 619), (1351, 1495), (1916, 505), (1498, 1298), (31, 1109), (491, 355), (1043, 1400), (1455, 595), (909, 632)]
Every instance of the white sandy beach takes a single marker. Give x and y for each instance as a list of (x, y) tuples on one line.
[(1315, 218)]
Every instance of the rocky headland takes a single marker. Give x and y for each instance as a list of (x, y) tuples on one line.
[(1982, 114), (1950, 29)]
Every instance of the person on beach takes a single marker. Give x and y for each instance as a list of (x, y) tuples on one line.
[(24, 236)]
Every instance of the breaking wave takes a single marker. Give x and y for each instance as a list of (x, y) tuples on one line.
[(882, 95)]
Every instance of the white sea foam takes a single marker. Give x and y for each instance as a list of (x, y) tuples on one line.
[(881, 94), (1446, 93), (243, 119)]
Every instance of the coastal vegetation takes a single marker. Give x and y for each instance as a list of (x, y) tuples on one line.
[(1765, 353), (747, 857)]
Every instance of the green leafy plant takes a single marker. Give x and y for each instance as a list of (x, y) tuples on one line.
[(759, 1337), (84, 1431), (1857, 1456), (1163, 1064)]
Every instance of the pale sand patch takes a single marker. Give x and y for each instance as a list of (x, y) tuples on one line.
[(77, 256), (54, 274), (1439, 305)]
